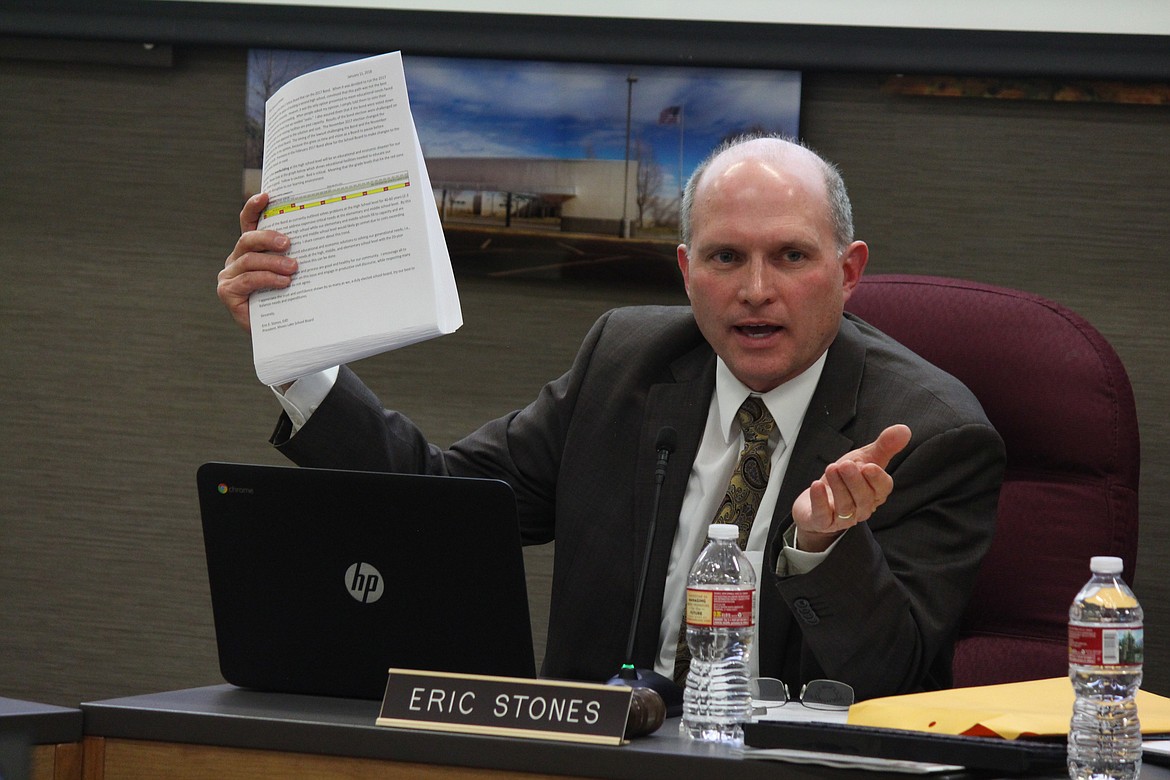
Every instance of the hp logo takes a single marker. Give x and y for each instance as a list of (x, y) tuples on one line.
[(363, 582)]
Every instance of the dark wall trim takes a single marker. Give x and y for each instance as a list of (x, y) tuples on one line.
[(803, 47)]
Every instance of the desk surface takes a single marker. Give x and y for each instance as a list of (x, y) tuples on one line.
[(40, 724), (230, 717)]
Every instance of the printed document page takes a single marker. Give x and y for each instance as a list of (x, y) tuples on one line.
[(347, 184)]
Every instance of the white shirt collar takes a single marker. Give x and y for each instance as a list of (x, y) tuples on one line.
[(787, 403)]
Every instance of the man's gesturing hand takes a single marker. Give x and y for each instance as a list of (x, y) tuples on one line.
[(851, 489)]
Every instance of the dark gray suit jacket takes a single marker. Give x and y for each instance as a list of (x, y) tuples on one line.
[(879, 613)]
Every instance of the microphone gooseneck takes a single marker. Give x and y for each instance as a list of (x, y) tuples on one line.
[(630, 675), (664, 444)]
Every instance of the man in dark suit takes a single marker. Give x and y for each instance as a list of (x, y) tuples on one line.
[(869, 535)]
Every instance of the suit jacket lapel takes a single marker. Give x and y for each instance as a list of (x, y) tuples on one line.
[(819, 443), (682, 405)]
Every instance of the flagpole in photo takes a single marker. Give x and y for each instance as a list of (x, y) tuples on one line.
[(673, 115), (625, 227)]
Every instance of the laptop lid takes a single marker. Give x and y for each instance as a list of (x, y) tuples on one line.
[(322, 580)]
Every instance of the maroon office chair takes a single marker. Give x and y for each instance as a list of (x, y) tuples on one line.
[(1060, 398)]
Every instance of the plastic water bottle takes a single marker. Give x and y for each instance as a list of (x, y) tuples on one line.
[(721, 593), (1105, 665)]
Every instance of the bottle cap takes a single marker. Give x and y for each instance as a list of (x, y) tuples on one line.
[(723, 531), (1105, 564)]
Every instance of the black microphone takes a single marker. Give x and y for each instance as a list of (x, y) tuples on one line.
[(630, 675)]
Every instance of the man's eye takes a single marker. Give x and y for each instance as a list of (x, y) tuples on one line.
[(723, 257), (793, 256)]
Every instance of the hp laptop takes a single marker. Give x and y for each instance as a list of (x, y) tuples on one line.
[(322, 580)]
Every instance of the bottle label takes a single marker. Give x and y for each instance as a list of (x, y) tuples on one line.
[(720, 608), (1105, 646)]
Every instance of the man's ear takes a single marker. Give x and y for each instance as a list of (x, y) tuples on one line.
[(853, 262), (684, 265)]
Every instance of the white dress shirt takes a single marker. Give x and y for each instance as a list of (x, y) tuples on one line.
[(715, 461), (303, 396)]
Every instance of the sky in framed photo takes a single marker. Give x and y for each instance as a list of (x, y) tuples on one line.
[(529, 109)]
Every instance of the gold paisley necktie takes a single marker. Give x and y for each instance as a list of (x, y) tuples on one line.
[(750, 477), (742, 500)]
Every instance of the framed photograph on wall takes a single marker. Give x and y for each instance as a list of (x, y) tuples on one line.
[(572, 150)]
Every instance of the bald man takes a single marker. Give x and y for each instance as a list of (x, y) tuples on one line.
[(883, 471)]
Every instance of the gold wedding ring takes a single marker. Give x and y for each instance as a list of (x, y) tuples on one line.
[(848, 516)]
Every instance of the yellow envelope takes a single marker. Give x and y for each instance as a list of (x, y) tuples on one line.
[(1025, 709)]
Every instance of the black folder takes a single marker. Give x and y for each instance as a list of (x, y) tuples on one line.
[(1017, 756)]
